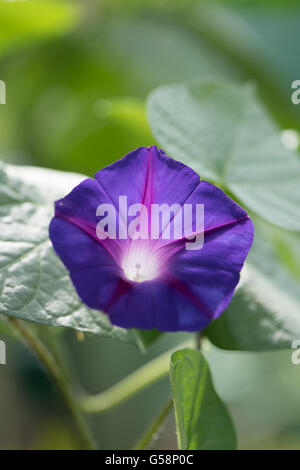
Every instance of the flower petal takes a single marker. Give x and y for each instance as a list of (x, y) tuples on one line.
[(212, 273), (192, 286), (147, 175), (93, 270), (156, 304)]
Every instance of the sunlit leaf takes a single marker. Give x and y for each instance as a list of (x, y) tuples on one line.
[(226, 135)]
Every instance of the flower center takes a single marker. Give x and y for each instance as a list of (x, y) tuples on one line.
[(140, 265)]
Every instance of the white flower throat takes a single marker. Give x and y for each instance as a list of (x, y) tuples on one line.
[(140, 264)]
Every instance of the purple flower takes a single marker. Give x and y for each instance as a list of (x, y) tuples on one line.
[(144, 281)]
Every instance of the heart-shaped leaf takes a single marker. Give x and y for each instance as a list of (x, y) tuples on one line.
[(34, 284), (226, 135), (202, 420)]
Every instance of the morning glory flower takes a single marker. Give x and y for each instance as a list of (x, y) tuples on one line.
[(151, 244)]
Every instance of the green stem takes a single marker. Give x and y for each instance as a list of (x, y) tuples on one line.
[(198, 338), (131, 385), (59, 379), (154, 426)]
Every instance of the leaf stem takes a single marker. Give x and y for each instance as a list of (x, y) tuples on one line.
[(154, 427), (58, 378), (198, 338), (134, 383)]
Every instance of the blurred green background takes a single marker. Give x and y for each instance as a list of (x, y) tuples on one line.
[(77, 76)]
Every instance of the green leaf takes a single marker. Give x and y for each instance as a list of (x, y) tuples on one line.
[(264, 313), (226, 135), (203, 422), (34, 284), (22, 21), (286, 246), (148, 337)]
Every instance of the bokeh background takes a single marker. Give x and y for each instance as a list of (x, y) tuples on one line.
[(77, 76)]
